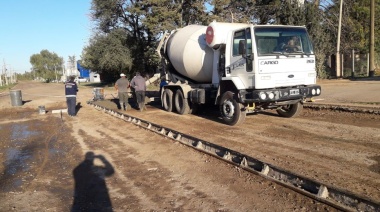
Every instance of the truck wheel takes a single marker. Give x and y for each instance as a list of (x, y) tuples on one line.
[(232, 112), (181, 104), (195, 108), (167, 100), (289, 111)]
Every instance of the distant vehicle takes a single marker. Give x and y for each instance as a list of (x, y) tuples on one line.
[(81, 79)]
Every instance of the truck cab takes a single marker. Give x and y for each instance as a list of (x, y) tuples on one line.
[(266, 67), (277, 56)]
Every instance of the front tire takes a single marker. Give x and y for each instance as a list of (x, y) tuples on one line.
[(289, 111), (181, 104), (167, 100), (232, 112)]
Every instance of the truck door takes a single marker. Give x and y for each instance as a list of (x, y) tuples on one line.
[(242, 56)]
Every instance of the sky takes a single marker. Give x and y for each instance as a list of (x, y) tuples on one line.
[(29, 26)]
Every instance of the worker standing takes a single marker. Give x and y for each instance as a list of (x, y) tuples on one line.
[(138, 83), (71, 89), (133, 93), (121, 87)]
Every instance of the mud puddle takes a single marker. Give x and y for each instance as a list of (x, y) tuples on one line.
[(27, 146)]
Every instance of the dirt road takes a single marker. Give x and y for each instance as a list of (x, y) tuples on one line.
[(55, 163)]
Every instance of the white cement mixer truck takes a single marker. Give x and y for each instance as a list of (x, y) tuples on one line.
[(242, 68)]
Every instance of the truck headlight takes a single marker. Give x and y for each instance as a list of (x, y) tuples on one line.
[(318, 91), (271, 95), (263, 96), (313, 91)]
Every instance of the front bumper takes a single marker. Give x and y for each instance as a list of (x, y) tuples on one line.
[(279, 94)]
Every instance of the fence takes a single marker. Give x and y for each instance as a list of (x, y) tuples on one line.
[(8, 79), (353, 64)]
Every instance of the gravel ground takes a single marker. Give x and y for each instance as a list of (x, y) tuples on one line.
[(57, 163)]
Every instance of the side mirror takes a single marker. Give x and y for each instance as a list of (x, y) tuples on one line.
[(242, 47)]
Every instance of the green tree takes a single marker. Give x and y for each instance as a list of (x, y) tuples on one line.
[(194, 12), (161, 16), (359, 19), (25, 76), (108, 54), (145, 21), (319, 31), (127, 15), (355, 32), (233, 11), (71, 62), (47, 65)]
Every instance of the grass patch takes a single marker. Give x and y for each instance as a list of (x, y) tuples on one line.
[(5, 88)]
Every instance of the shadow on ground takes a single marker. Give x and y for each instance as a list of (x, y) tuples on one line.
[(91, 192), (376, 78)]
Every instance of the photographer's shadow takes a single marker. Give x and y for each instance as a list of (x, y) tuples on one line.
[(91, 193)]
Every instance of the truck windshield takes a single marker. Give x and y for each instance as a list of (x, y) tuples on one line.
[(282, 40)]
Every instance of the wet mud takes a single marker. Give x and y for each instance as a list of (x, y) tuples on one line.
[(35, 153)]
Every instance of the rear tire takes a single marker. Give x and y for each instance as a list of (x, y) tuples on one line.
[(195, 108), (232, 112), (181, 104), (289, 111), (167, 100)]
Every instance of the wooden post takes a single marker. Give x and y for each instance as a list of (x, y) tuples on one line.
[(353, 63), (342, 64), (367, 64), (372, 42), (338, 68)]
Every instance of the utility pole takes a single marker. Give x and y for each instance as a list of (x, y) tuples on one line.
[(5, 73), (338, 69), (56, 77), (64, 74), (10, 75), (1, 77), (353, 63), (372, 42)]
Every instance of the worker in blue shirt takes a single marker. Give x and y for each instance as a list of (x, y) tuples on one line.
[(71, 89)]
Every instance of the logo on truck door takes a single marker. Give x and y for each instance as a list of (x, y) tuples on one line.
[(269, 62), (238, 63)]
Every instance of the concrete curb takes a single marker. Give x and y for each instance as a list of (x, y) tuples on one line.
[(344, 108)]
